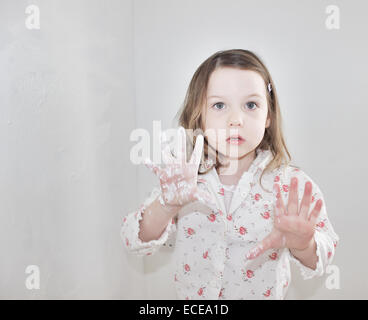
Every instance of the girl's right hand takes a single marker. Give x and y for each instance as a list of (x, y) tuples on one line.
[(178, 179)]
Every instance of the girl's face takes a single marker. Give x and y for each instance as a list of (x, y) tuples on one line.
[(235, 114)]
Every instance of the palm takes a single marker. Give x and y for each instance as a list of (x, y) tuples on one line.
[(291, 232), (293, 226), (178, 183), (178, 178)]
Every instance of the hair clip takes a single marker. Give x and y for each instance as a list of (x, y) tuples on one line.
[(269, 87)]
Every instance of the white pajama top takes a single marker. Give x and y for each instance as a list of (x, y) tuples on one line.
[(211, 242)]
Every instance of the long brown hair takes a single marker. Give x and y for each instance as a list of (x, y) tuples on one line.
[(190, 114)]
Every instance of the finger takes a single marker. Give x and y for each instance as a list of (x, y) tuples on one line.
[(279, 201), (277, 212), (167, 157), (316, 211), (306, 201), (197, 152), (182, 146), (292, 207), (153, 167), (263, 246)]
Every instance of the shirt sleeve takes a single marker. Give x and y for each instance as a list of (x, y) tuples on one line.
[(325, 237), (131, 226)]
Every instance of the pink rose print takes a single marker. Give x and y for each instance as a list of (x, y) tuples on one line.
[(175, 278), (229, 217), (265, 215), (190, 231), (124, 219), (273, 256), (312, 199), (277, 179), (247, 274), (242, 230), (212, 217), (320, 224), (267, 293), (220, 212), (250, 274), (221, 292), (286, 284), (285, 187), (200, 291), (329, 254), (222, 191), (187, 268), (205, 255), (127, 242), (257, 196)]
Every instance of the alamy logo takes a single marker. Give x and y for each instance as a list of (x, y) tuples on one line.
[(333, 280), (33, 280), (33, 18), (333, 20)]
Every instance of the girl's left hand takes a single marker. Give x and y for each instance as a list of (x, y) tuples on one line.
[(293, 227)]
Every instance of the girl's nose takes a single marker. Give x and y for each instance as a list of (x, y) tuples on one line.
[(235, 121)]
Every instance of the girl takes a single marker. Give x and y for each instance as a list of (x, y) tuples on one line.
[(240, 211)]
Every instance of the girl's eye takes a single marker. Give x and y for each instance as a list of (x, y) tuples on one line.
[(218, 105), (221, 106), (252, 103)]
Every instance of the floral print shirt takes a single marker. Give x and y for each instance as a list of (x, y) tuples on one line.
[(211, 242)]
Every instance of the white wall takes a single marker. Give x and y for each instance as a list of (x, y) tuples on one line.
[(67, 110), (72, 92)]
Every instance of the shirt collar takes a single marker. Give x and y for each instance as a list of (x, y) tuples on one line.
[(212, 180)]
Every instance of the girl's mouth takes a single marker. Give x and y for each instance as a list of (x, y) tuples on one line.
[(235, 140)]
